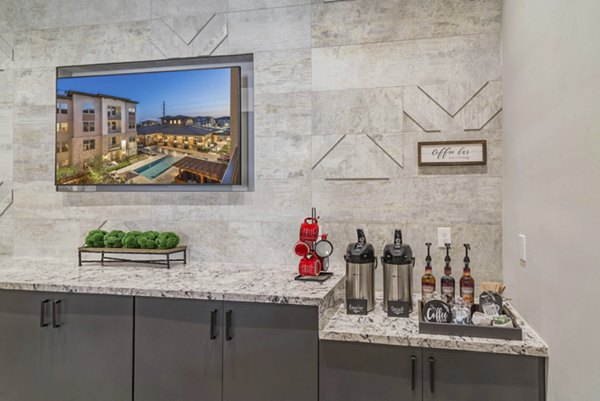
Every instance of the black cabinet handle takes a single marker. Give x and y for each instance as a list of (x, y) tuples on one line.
[(44, 305), (413, 363), (56, 313), (213, 324), (432, 374), (228, 335)]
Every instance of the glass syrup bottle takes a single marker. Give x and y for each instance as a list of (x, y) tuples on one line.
[(428, 279), (447, 281), (467, 283)]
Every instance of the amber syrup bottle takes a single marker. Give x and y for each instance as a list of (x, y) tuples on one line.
[(467, 283), (447, 282), (428, 279)]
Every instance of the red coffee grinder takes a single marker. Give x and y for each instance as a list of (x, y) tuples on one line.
[(313, 247)]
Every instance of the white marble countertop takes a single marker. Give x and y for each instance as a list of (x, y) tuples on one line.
[(229, 282), (378, 328)]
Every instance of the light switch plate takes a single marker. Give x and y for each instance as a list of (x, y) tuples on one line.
[(523, 247), (444, 236)]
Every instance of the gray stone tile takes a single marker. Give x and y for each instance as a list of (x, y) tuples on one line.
[(371, 21), (418, 62), (463, 106), (7, 88), (73, 13), (278, 114), (269, 29), (44, 238), (8, 16), (357, 156), (358, 201), (282, 71), (6, 163), (187, 36), (243, 5), (33, 162), (282, 157), (182, 8), (377, 110), (71, 46), (272, 201)]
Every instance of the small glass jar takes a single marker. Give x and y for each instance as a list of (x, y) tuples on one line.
[(461, 313)]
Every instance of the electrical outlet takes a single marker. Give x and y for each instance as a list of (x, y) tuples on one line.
[(523, 247), (444, 236)]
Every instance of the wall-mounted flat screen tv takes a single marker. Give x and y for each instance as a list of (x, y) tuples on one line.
[(173, 125)]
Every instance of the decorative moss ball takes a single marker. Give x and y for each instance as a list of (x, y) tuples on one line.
[(167, 240), (95, 238), (114, 239), (147, 240), (130, 240)]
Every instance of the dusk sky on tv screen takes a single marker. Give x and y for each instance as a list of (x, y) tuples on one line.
[(190, 92)]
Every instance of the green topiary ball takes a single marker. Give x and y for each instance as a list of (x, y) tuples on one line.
[(114, 239), (147, 240), (95, 238), (130, 240), (167, 240)]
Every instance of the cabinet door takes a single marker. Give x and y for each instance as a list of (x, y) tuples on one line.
[(270, 352), (92, 348), (24, 346), (474, 376), (351, 371), (178, 350)]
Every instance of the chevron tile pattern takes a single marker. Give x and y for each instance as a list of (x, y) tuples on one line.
[(468, 107), (187, 36)]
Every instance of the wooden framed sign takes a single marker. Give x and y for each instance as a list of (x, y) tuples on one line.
[(453, 153)]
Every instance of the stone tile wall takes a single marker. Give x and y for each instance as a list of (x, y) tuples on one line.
[(344, 90)]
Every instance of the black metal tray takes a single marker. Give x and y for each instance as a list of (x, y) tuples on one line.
[(450, 329), (324, 276)]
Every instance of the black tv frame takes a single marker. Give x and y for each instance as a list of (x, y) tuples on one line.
[(244, 62)]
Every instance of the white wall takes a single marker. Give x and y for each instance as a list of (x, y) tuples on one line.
[(551, 76)]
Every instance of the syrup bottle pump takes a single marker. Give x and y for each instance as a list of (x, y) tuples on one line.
[(448, 284), (467, 284), (428, 279)]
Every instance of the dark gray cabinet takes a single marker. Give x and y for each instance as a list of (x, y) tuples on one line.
[(474, 376), (92, 347), (25, 351), (210, 351), (178, 350), (65, 347), (365, 372), (270, 352)]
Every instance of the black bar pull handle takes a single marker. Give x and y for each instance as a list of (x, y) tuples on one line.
[(432, 374), (413, 364), (56, 313), (44, 306), (228, 316), (213, 324)]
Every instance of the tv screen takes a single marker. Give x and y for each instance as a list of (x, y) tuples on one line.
[(162, 125)]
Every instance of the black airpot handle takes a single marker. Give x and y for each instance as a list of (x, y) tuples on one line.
[(398, 239), (362, 239)]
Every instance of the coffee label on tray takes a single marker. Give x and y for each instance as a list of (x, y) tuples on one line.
[(398, 308), (356, 306), (437, 311)]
